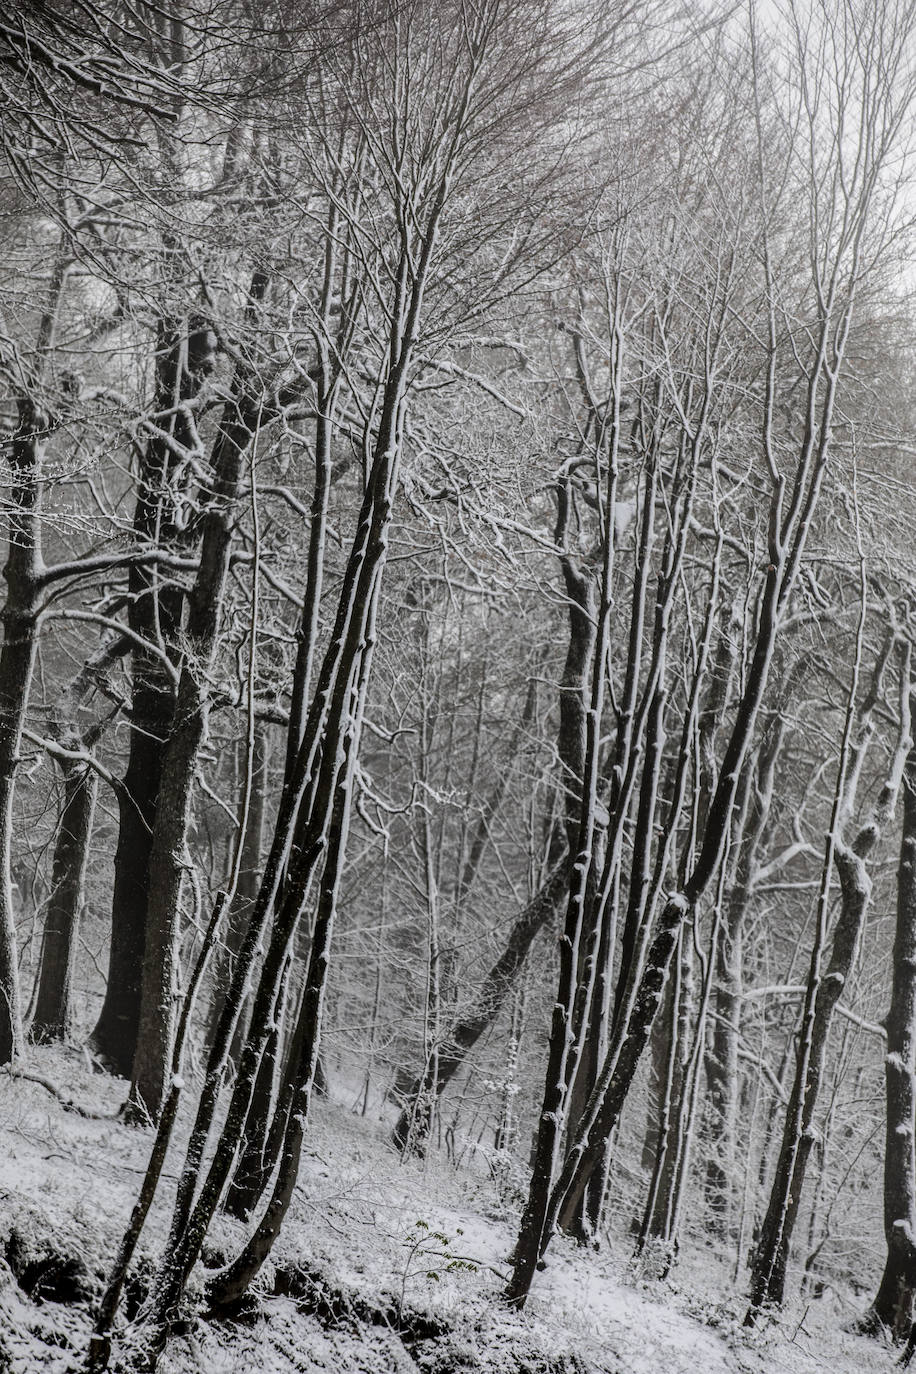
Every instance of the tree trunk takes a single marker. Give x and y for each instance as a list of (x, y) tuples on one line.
[(234, 1281), (721, 1058), (114, 1038), (246, 890), (256, 1158), (241, 420), (154, 614), (53, 1018), (768, 1276), (17, 657), (657, 1217), (894, 1307)]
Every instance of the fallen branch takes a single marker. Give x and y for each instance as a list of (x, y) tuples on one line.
[(67, 1103)]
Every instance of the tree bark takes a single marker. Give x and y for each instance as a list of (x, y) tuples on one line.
[(721, 1058), (241, 420), (258, 1152), (154, 614), (894, 1306), (768, 1275), (53, 1018), (658, 1212), (246, 890), (17, 657), (235, 1279)]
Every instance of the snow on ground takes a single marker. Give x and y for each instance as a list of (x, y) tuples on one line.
[(387, 1234)]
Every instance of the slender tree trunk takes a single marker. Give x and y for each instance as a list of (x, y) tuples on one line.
[(768, 1275), (721, 1059), (258, 1153), (894, 1307), (53, 1018), (234, 1281), (17, 656), (246, 890)]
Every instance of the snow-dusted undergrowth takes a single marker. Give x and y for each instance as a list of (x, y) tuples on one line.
[(370, 1236)]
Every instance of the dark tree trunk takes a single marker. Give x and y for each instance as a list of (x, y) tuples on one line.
[(894, 1307), (114, 1039), (246, 891), (256, 1159), (658, 1213), (154, 614), (173, 811), (53, 1018), (721, 1059), (17, 657)]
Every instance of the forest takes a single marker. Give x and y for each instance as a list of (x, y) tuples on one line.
[(457, 686)]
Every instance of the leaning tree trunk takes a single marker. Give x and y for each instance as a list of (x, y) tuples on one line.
[(246, 891), (768, 1275), (233, 1282), (771, 1258), (656, 1222), (260, 1145)]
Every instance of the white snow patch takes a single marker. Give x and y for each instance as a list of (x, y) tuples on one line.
[(350, 1221)]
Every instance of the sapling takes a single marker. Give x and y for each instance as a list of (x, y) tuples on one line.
[(419, 1243)]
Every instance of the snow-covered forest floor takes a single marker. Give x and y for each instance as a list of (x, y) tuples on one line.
[(384, 1265)]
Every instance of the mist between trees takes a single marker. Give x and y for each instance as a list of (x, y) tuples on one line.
[(457, 482)]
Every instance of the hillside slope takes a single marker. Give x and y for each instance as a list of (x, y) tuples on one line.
[(385, 1266)]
